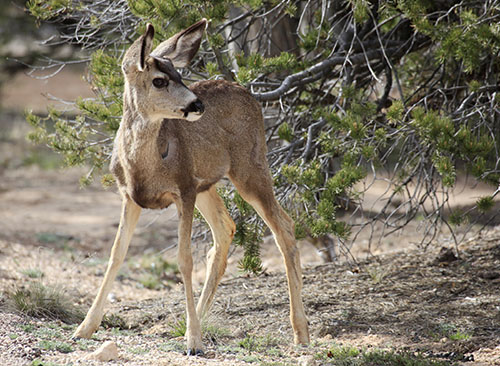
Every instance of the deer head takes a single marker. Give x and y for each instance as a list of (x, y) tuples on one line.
[(153, 87)]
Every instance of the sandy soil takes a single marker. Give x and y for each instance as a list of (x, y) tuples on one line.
[(439, 305)]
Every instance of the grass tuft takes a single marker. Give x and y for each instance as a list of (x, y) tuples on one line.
[(213, 333), (55, 346), (33, 273), (178, 327), (40, 301)]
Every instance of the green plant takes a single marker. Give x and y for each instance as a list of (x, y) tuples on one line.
[(28, 328), (150, 282), (85, 344), (33, 273), (156, 271), (42, 301), (460, 336), (213, 332), (48, 332), (261, 344), (59, 240), (178, 327), (172, 346), (138, 350), (55, 346), (450, 331), (40, 362)]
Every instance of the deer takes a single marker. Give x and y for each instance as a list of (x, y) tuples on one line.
[(173, 145)]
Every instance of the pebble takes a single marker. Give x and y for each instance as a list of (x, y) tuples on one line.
[(107, 352)]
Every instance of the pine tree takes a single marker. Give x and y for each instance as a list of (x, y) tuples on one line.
[(352, 91)]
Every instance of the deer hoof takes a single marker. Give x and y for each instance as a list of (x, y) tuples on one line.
[(82, 332), (195, 352)]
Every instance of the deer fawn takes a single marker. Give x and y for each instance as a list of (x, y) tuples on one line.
[(174, 143)]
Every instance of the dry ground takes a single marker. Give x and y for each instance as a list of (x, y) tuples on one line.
[(443, 306)]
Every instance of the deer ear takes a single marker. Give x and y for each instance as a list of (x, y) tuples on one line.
[(146, 46), (182, 47), (136, 55)]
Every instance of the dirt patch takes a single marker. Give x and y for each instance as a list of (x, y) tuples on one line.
[(407, 301)]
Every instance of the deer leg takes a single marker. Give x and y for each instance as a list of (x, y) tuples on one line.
[(214, 211), (129, 217), (259, 193), (185, 207)]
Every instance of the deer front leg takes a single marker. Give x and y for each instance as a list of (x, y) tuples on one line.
[(185, 207), (222, 226), (129, 217)]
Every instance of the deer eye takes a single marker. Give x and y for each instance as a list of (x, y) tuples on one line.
[(160, 82)]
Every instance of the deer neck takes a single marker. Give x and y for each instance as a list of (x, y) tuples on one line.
[(139, 139)]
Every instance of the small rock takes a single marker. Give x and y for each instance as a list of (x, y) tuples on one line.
[(307, 360), (112, 297), (107, 352)]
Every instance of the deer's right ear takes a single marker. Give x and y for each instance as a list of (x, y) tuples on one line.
[(136, 55)]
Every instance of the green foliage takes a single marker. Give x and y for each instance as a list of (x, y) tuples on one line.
[(254, 65), (59, 346), (457, 218), (44, 10), (178, 327), (213, 332), (155, 272), (445, 167), (285, 132), (484, 204), (395, 112), (249, 235), (361, 10)]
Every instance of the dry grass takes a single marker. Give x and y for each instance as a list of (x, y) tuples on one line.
[(43, 301)]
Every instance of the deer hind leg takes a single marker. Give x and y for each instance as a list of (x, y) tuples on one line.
[(129, 217), (214, 211), (259, 193), (185, 207)]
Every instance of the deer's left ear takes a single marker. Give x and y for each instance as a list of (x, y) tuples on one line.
[(182, 47)]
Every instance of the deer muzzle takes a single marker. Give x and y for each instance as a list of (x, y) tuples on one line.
[(195, 108)]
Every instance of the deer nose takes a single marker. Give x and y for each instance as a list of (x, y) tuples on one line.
[(196, 106)]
